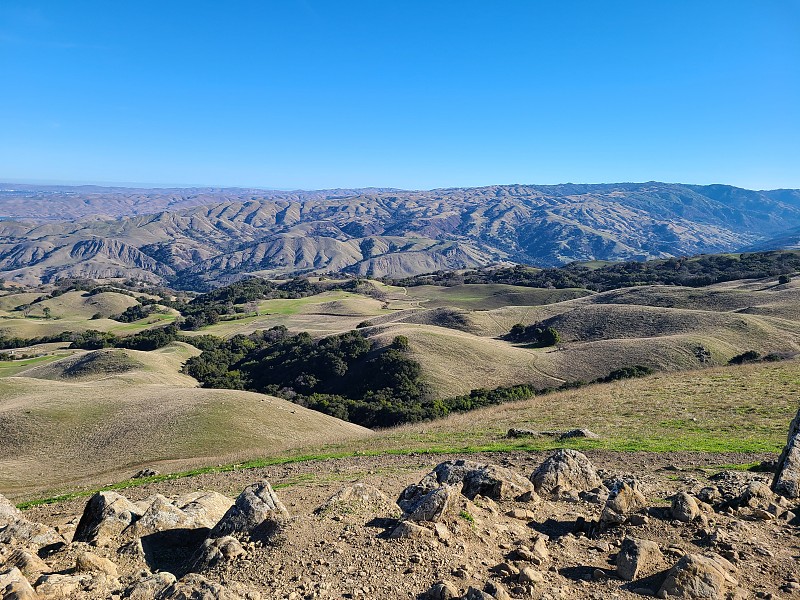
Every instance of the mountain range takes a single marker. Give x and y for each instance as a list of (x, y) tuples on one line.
[(200, 237)]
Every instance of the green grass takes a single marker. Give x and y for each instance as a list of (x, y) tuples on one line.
[(11, 368)]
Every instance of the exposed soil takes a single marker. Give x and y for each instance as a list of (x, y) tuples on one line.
[(347, 553)]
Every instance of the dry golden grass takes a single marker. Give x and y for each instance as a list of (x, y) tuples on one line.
[(61, 433)]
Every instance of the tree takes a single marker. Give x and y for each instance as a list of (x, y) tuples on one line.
[(47, 312), (784, 279)]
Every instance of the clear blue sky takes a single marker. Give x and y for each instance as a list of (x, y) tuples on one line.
[(312, 94)]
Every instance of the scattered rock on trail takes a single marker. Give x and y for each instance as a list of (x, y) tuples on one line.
[(257, 513), (698, 576), (624, 500), (14, 586), (490, 481), (638, 558), (106, 515), (787, 475), (684, 508), (565, 471)]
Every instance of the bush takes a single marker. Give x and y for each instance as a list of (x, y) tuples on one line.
[(784, 279), (745, 357)]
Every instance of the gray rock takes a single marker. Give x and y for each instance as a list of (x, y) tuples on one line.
[(29, 564), (433, 505), (8, 512), (490, 481), (14, 586), (684, 508), (23, 532), (698, 576), (564, 471), (496, 590), (87, 562), (161, 515), (150, 587), (216, 550), (257, 513), (194, 587), (56, 585), (638, 558), (105, 516), (442, 590), (409, 530), (205, 508), (579, 433), (518, 433), (476, 594), (787, 475), (624, 500)]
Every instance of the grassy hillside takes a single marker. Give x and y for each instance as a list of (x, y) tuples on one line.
[(62, 431), (725, 409)]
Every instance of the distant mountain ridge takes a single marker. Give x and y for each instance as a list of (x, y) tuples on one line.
[(203, 237)]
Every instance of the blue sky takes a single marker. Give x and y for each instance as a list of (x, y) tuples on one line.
[(313, 94)]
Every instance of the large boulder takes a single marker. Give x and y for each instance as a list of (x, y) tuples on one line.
[(638, 558), (14, 586), (161, 515), (105, 516), (490, 481), (698, 576), (787, 476), (257, 514), (23, 532), (205, 508), (565, 471)]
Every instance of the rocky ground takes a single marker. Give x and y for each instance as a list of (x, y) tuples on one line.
[(516, 525)]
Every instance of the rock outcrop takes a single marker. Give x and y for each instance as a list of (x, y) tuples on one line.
[(490, 481), (787, 475), (565, 471), (257, 514)]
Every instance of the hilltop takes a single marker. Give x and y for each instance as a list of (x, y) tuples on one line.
[(200, 238)]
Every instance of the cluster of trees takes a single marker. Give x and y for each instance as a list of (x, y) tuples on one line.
[(135, 312), (343, 375), (149, 339), (539, 336), (693, 272)]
